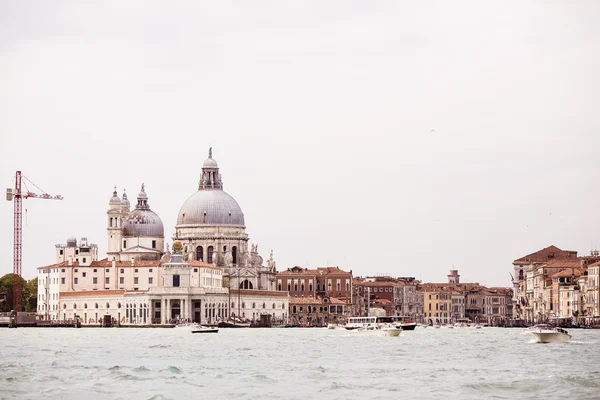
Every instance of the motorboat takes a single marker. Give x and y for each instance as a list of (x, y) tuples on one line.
[(550, 334), (331, 326), (205, 329), (404, 322)]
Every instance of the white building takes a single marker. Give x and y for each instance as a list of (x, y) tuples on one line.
[(141, 282)]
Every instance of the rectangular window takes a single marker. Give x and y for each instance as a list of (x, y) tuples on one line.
[(75, 281), (107, 270), (150, 270), (107, 280), (62, 270), (175, 280), (154, 244), (195, 269), (84, 260), (84, 274), (61, 252), (122, 270), (95, 270), (150, 280), (76, 269), (95, 281), (77, 252), (62, 280), (135, 270), (124, 244), (121, 280), (135, 280)]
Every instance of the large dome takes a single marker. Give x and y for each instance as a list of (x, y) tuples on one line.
[(220, 209), (143, 223)]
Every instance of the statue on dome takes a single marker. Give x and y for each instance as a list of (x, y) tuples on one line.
[(271, 263)]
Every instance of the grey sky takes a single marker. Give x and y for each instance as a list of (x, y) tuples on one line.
[(384, 137)]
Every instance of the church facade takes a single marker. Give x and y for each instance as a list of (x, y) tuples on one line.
[(142, 282)]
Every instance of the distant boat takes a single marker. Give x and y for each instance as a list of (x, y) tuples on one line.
[(233, 323), (205, 329)]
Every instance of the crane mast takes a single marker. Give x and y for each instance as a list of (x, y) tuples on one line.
[(17, 195)]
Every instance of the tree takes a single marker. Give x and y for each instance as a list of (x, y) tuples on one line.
[(28, 292)]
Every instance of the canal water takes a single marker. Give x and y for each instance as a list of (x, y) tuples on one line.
[(297, 363)]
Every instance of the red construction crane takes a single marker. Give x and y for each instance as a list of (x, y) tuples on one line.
[(17, 195)]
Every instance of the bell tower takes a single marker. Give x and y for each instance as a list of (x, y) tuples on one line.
[(114, 220)]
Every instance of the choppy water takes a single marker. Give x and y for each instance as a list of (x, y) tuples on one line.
[(465, 363)]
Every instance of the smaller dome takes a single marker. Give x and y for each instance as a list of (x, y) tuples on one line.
[(142, 194), (71, 242), (114, 200), (210, 163)]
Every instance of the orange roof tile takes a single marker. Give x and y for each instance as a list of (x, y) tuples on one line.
[(544, 255)]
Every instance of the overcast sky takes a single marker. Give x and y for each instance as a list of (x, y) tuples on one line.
[(401, 138)]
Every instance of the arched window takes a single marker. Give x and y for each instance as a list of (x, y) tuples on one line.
[(64, 306), (85, 305), (209, 257), (310, 287), (243, 305), (302, 287), (74, 306), (96, 305), (264, 305), (199, 253), (273, 306), (107, 305), (283, 306), (246, 284), (279, 286), (289, 287), (295, 287), (253, 305), (119, 305), (294, 309), (339, 286), (234, 254), (232, 305)]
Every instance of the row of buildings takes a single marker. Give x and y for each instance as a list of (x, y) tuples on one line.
[(557, 285), (211, 274)]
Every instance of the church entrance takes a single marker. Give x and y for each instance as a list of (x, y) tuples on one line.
[(175, 309)]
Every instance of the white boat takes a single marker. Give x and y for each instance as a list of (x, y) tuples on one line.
[(204, 329), (550, 334), (365, 322), (331, 326)]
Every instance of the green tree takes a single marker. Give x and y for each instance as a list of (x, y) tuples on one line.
[(6, 286)]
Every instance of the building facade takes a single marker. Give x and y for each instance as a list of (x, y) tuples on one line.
[(208, 276)]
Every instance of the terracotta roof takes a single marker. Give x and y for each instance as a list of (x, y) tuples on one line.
[(596, 264), (93, 293), (137, 263), (567, 272), (62, 264), (202, 264), (544, 255), (318, 271)]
